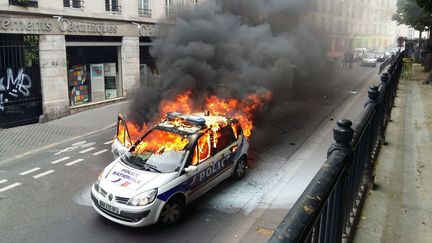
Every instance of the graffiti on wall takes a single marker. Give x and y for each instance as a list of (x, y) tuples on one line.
[(13, 87)]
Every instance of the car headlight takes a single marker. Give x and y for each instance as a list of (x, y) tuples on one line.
[(143, 199), (96, 185)]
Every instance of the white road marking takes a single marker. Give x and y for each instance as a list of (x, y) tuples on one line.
[(9, 187), (3, 181), (101, 152), (74, 162), (87, 150), (60, 160), (29, 171), (43, 174), (109, 142)]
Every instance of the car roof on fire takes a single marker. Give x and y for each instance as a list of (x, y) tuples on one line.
[(192, 123)]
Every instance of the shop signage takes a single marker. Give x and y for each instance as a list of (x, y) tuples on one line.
[(21, 25), (66, 25), (73, 27)]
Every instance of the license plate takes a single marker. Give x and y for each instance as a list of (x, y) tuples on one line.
[(109, 207)]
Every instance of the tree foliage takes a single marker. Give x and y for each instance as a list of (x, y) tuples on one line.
[(426, 4), (410, 13)]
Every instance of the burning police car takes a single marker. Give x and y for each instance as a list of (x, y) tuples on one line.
[(172, 164)]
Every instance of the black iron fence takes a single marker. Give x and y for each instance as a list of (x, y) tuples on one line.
[(20, 86), (329, 208)]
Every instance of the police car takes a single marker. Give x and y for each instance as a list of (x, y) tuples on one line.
[(178, 160)]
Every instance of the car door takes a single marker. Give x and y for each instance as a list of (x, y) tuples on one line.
[(203, 159), (225, 146)]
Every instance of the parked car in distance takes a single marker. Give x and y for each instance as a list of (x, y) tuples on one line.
[(369, 60)]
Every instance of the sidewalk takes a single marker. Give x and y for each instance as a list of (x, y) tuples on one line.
[(23, 140), (400, 208)]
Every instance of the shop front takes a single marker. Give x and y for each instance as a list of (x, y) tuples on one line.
[(77, 64), (93, 69)]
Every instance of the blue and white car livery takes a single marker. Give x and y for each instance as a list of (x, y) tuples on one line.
[(147, 184)]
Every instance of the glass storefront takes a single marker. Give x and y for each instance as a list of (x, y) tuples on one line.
[(93, 72)]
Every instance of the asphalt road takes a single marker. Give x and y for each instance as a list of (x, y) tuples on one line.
[(45, 197)]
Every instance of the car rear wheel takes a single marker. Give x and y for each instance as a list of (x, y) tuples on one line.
[(172, 211), (240, 168)]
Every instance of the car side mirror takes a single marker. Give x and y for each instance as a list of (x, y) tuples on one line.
[(191, 168)]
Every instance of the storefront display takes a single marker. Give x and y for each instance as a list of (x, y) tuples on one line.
[(78, 86), (94, 68), (110, 80)]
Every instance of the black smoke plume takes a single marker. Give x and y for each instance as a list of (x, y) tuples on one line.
[(233, 49)]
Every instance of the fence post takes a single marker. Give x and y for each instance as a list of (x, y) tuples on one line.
[(343, 134)]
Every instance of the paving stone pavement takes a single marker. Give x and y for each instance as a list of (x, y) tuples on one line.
[(16, 141), (399, 209)]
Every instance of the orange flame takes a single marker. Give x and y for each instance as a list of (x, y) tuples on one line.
[(242, 110), (159, 141)]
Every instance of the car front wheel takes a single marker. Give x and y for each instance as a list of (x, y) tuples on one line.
[(172, 212), (240, 168)]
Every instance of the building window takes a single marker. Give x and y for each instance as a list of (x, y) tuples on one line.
[(28, 3), (168, 6), (73, 3), (144, 8), (112, 6)]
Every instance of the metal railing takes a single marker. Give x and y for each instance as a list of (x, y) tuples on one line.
[(115, 8), (329, 209), (145, 12)]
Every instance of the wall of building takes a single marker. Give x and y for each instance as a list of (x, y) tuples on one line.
[(52, 59)]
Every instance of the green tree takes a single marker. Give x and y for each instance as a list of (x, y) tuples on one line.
[(426, 4), (411, 14)]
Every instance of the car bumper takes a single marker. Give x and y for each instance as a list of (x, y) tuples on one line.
[(126, 215)]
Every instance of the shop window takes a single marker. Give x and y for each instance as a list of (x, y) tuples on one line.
[(112, 6), (24, 3), (144, 8), (73, 3), (93, 74)]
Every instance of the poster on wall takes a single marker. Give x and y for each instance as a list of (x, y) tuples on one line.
[(110, 80), (78, 86), (97, 82)]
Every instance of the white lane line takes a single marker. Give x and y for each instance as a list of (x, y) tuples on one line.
[(29, 171), (109, 142), (3, 181), (43, 174), (87, 150), (101, 152), (74, 162), (60, 160), (9, 187)]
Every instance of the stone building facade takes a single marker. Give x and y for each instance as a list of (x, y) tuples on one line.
[(349, 24), (62, 56)]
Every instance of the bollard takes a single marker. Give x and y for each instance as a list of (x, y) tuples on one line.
[(343, 134)]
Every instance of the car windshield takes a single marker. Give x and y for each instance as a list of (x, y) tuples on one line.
[(159, 151)]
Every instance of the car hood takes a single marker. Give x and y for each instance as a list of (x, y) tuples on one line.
[(123, 177)]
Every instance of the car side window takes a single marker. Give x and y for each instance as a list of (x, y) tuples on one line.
[(225, 137), (202, 149)]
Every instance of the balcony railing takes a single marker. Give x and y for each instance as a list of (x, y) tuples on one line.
[(145, 12), (73, 4), (24, 3), (115, 8)]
